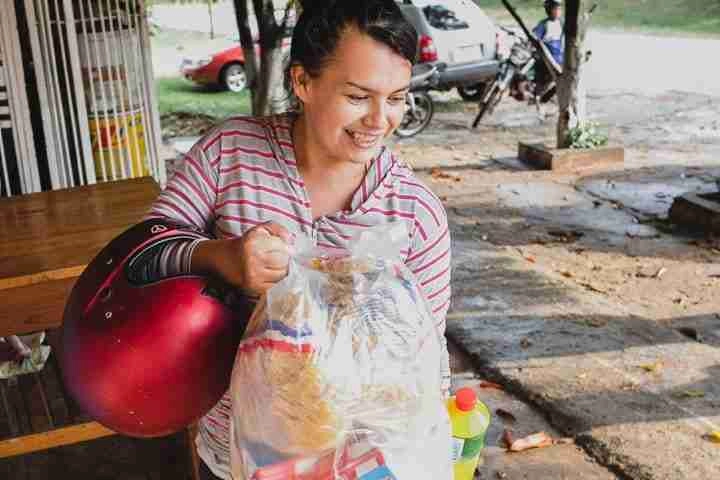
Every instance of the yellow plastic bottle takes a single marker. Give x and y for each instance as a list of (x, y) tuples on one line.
[(470, 419)]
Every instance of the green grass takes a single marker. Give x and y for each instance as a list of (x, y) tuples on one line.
[(180, 95), (657, 16)]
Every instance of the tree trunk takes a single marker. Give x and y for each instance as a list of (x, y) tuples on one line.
[(270, 96), (263, 68), (570, 90), (210, 14)]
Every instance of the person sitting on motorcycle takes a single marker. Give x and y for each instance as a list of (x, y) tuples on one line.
[(550, 30)]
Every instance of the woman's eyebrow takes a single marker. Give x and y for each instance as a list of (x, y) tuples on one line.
[(370, 90)]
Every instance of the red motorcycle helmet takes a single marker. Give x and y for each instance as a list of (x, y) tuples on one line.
[(147, 358)]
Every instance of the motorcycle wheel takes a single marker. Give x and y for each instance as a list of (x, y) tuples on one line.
[(471, 93), (415, 121), (487, 108)]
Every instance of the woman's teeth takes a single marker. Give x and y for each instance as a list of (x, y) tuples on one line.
[(363, 140)]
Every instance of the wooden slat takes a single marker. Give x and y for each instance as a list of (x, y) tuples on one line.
[(32, 308), (53, 438), (14, 408), (58, 397), (27, 280), (56, 230), (35, 402)]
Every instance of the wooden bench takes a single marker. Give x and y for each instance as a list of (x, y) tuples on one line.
[(46, 240)]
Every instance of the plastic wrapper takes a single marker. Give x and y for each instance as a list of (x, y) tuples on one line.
[(339, 373)]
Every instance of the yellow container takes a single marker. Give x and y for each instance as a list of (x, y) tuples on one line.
[(470, 419), (118, 140)]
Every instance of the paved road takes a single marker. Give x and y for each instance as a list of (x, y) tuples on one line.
[(621, 61)]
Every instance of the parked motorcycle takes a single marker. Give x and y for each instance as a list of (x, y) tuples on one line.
[(419, 106), (516, 76)]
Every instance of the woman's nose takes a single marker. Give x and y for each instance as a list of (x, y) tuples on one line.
[(376, 117)]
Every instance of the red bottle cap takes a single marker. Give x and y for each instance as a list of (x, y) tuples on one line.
[(465, 399)]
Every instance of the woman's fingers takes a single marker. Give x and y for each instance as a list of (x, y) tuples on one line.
[(277, 230), (275, 260)]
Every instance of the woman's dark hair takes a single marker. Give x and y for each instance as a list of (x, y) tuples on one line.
[(322, 23)]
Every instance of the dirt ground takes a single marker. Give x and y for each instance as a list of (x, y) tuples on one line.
[(672, 144), (575, 290)]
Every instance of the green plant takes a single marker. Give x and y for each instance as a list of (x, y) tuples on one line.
[(175, 94), (586, 135)]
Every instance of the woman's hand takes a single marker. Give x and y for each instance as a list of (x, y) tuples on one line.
[(254, 262)]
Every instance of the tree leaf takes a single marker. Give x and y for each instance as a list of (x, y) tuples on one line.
[(690, 394), (536, 440)]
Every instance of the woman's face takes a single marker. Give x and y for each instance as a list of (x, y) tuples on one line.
[(357, 100), (556, 12)]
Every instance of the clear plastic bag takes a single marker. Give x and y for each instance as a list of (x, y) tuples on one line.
[(339, 371)]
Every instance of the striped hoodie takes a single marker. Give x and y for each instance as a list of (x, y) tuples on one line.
[(243, 173)]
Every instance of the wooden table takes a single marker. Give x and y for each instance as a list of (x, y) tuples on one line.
[(46, 240)]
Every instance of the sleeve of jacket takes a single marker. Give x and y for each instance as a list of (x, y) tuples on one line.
[(189, 198), (539, 30), (429, 259)]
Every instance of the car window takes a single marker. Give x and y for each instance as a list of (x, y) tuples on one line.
[(442, 18)]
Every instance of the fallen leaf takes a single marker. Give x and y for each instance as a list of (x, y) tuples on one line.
[(530, 258), (596, 321), (689, 394), (656, 274), (486, 384), (567, 274), (591, 287), (631, 385), (713, 436), (652, 367), (507, 438), (439, 174), (505, 415), (536, 440), (501, 475)]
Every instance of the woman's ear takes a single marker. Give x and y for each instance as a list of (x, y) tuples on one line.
[(300, 82)]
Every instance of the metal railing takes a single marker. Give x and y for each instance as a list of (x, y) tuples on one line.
[(16, 139), (94, 85)]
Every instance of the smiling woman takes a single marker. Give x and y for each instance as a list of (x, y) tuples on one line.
[(321, 171)]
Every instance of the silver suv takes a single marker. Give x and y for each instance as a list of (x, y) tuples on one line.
[(457, 37)]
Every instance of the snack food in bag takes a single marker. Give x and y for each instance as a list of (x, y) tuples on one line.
[(341, 355)]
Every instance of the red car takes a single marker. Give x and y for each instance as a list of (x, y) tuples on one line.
[(226, 68)]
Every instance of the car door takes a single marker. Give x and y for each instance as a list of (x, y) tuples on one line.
[(461, 30)]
